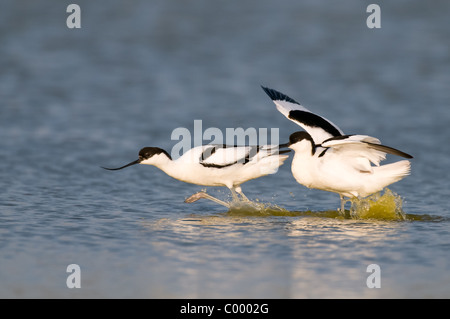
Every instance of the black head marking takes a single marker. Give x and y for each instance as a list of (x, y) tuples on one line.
[(299, 136), (147, 152), (144, 154)]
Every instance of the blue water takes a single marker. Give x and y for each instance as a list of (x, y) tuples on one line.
[(72, 100)]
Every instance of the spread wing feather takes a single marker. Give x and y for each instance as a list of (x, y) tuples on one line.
[(361, 150), (317, 126)]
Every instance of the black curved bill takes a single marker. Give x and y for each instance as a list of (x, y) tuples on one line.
[(129, 164)]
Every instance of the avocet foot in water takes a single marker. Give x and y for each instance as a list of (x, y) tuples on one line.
[(215, 165), (326, 159)]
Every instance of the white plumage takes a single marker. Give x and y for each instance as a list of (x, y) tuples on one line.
[(215, 165), (326, 159), (343, 167)]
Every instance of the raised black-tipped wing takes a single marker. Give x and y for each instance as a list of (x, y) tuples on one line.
[(317, 126)]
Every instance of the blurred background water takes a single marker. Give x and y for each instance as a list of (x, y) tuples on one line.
[(72, 100)]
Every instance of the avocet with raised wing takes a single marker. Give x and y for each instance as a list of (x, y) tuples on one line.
[(326, 159), (215, 165)]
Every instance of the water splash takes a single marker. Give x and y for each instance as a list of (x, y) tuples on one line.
[(386, 206), (379, 206), (255, 208), (259, 209)]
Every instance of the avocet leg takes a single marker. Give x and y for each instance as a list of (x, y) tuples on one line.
[(195, 197), (239, 191), (342, 209), (234, 195)]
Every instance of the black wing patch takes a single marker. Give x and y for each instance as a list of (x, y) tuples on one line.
[(378, 147), (389, 150), (313, 120), (278, 96), (252, 151), (208, 152)]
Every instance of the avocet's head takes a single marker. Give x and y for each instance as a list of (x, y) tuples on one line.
[(301, 141), (147, 155)]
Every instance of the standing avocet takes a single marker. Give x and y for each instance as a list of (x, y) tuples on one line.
[(215, 165), (326, 159)]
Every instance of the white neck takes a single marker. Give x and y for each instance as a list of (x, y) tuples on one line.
[(303, 148), (167, 165)]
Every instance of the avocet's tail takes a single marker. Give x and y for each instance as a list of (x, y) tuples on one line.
[(270, 164), (390, 173)]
